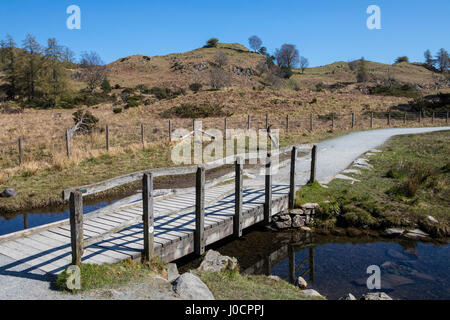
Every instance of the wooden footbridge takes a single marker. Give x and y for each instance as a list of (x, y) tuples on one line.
[(170, 225)]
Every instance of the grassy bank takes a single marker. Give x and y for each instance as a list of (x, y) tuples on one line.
[(231, 285), (410, 181), (39, 188)]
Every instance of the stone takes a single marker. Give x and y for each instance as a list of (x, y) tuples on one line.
[(376, 296), (307, 229), (298, 221), (394, 232), (349, 296), (301, 283), (297, 212), (8, 193), (311, 293), (275, 278), (432, 219), (310, 206), (415, 234), (215, 262), (283, 221), (172, 272), (190, 287)]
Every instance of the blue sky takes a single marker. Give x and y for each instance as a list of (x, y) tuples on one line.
[(323, 31)]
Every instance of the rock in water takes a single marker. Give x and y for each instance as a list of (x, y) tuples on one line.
[(8, 193), (215, 262), (282, 221), (376, 296), (348, 297), (301, 283), (190, 287)]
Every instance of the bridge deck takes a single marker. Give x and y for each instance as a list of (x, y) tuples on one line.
[(50, 250)]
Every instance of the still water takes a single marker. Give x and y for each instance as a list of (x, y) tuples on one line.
[(337, 266)]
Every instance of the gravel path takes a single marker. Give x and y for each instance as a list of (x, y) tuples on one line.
[(334, 156)]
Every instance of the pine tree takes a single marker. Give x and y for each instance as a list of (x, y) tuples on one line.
[(55, 75)]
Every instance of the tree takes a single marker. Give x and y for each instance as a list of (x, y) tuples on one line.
[(221, 58), (287, 56), (304, 63), (94, 72), (212, 43), (10, 67), (429, 61), (401, 59), (55, 75), (33, 63), (255, 43), (263, 51), (106, 86), (443, 60), (219, 79), (362, 75)]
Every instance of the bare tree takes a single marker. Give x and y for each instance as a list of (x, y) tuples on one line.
[(443, 60), (94, 72), (304, 63), (255, 43), (221, 58), (219, 78), (287, 56)]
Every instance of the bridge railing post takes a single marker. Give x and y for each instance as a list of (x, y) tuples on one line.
[(237, 222), (292, 178), (313, 164), (148, 216), (268, 191), (76, 226), (199, 239)]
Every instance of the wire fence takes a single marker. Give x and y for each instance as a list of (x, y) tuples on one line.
[(111, 137)]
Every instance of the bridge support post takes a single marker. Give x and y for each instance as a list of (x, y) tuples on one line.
[(237, 221), (312, 177), (292, 178), (148, 217), (199, 239), (268, 191), (76, 227)]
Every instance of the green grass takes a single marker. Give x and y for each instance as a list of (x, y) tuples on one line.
[(410, 181), (231, 285), (112, 275)]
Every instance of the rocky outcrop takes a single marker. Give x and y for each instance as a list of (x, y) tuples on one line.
[(375, 296), (8, 193), (215, 262), (172, 272), (190, 287), (297, 218), (349, 296)]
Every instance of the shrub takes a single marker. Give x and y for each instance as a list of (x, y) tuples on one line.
[(166, 93), (88, 122), (195, 87), (287, 72), (406, 90), (212, 43), (402, 59), (117, 110), (193, 111), (106, 86)]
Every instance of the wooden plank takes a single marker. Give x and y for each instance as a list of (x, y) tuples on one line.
[(76, 226), (148, 218), (199, 241)]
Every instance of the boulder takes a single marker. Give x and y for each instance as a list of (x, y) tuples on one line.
[(298, 221), (215, 262), (275, 278), (306, 229), (394, 232), (311, 293), (348, 297), (172, 272), (375, 296), (432, 219), (190, 287), (301, 283), (282, 221), (8, 193), (416, 234), (309, 206), (297, 212)]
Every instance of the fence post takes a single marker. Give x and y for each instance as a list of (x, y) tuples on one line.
[(170, 130), (404, 118), (268, 191), (237, 221), (287, 123), (107, 137), (332, 121), (371, 120), (353, 120), (292, 178), (389, 118), (446, 118), (142, 135), (310, 121), (148, 218), (248, 122), (267, 120), (193, 124), (20, 151), (432, 119), (76, 226), (225, 127), (313, 164), (68, 143), (199, 240), (420, 116)]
